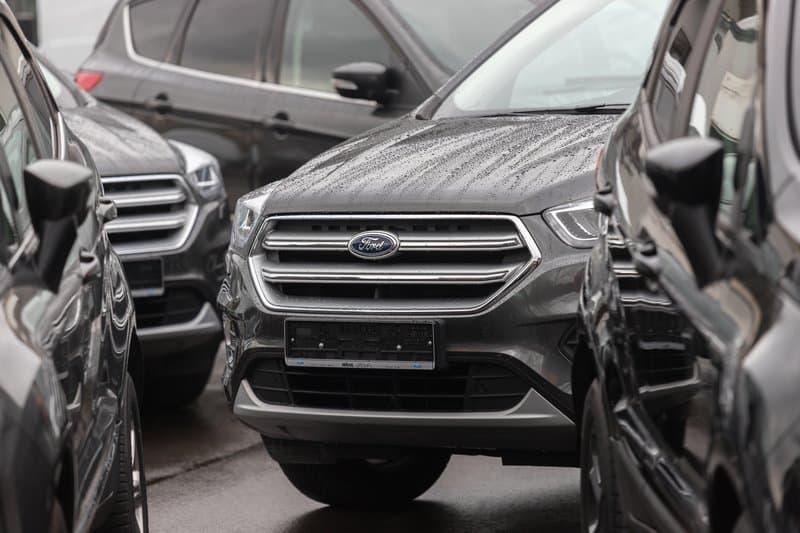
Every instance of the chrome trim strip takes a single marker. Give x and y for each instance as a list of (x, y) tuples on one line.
[(146, 223), (300, 91), (437, 311), (407, 244), (147, 199), (429, 276)]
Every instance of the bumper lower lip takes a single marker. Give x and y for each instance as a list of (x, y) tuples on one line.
[(205, 324), (533, 425)]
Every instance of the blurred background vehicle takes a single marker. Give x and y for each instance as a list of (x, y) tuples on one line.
[(265, 99), (70, 434), (412, 293), (172, 232), (691, 300)]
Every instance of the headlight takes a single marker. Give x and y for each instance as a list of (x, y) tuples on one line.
[(244, 222), (576, 224), (206, 181), (202, 170)]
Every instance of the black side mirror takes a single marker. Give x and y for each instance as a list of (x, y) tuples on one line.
[(57, 193), (365, 81), (687, 174)]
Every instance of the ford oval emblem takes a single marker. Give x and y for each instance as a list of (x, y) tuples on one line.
[(374, 245)]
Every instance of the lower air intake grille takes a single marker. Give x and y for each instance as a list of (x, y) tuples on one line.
[(175, 306), (464, 386)]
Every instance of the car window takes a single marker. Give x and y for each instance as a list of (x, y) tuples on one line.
[(22, 69), (671, 80), (17, 145), (8, 235), (321, 36), (726, 86), (224, 37), (153, 24), (62, 94), (570, 56), (455, 31)]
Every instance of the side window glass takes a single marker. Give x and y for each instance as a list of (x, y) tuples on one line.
[(726, 87), (321, 36), (224, 37), (669, 85), (17, 145), (8, 235), (21, 68), (153, 23)]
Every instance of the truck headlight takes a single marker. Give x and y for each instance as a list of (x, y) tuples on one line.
[(576, 224), (244, 223)]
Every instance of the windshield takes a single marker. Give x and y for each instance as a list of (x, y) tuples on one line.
[(577, 53), (61, 92), (455, 31)]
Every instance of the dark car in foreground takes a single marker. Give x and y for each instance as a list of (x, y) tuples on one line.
[(261, 98), (411, 293), (70, 436), (171, 233), (691, 299)]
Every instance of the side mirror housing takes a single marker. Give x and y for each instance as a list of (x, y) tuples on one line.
[(57, 190), (57, 193), (687, 174), (365, 81)]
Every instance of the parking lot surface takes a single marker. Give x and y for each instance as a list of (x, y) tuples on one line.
[(207, 472)]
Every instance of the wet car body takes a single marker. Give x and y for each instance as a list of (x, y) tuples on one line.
[(171, 234), (488, 216), (67, 326), (695, 345), (267, 118)]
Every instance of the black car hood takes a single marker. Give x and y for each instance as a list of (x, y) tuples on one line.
[(513, 165), (120, 144)]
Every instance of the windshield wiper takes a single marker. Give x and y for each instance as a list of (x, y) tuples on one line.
[(594, 109)]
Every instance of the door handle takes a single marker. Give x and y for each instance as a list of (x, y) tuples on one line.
[(280, 124), (90, 265), (604, 202), (160, 103), (106, 209), (646, 260)]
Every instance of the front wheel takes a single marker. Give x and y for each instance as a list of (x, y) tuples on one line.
[(129, 511), (601, 508), (367, 484)]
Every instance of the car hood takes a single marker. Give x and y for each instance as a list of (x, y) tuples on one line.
[(120, 144), (513, 165)]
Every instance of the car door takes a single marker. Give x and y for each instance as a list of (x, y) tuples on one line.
[(69, 327), (206, 90), (690, 331), (301, 114)]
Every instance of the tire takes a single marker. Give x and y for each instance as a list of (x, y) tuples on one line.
[(601, 508), (367, 485), (58, 519), (129, 508), (744, 524), (179, 390)]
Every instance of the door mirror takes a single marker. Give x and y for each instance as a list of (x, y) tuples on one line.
[(687, 174), (365, 81), (57, 194)]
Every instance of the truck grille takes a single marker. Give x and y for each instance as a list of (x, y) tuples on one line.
[(444, 263), (156, 213), (464, 386)]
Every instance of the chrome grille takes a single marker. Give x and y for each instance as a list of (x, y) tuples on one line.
[(445, 264), (156, 213)]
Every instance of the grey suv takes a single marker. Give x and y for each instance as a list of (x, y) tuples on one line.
[(171, 233), (412, 293)]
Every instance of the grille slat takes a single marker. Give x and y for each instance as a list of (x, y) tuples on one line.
[(456, 263), (474, 386), (155, 213)]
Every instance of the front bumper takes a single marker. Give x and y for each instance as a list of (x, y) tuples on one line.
[(532, 327)]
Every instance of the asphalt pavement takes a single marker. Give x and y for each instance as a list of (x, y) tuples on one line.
[(208, 472)]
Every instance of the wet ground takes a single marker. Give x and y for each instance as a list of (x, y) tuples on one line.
[(207, 472)]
